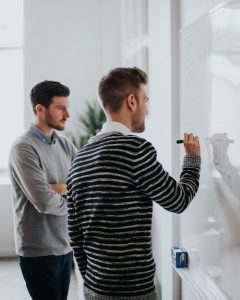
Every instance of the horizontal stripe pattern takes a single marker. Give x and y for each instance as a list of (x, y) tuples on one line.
[(111, 186)]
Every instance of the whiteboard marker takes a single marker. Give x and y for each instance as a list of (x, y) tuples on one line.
[(179, 141)]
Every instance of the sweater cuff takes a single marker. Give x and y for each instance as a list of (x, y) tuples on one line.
[(192, 161)]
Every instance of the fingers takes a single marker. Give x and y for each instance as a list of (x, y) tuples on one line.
[(191, 144), (190, 138), (196, 139)]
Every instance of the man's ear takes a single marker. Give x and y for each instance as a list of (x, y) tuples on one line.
[(131, 102), (39, 108)]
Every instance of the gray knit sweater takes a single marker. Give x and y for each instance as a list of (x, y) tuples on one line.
[(40, 214)]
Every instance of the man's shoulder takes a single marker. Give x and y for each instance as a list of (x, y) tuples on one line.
[(22, 145), (66, 142), (115, 136), (138, 141), (64, 139), (117, 139), (24, 139)]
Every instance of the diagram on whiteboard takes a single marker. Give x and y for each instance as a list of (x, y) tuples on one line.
[(230, 175)]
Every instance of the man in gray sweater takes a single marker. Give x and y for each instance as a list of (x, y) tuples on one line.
[(38, 166)]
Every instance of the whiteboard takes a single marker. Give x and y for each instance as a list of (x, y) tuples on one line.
[(210, 108)]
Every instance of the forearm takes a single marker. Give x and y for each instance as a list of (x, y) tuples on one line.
[(26, 172), (60, 188), (81, 259), (160, 187), (76, 238)]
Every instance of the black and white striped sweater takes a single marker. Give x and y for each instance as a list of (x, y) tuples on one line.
[(111, 184)]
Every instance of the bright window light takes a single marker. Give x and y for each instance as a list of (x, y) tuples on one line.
[(11, 75)]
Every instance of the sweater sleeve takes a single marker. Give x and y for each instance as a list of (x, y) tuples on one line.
[(159, 186), (75, 232), (25, 168)]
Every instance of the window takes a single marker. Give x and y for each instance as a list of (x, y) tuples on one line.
[(135, 33), (11, 75)]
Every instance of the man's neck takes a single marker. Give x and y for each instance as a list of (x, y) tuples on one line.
[(45, 129), (119, 119)]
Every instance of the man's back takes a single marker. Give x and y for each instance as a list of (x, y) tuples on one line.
[(112, 183)]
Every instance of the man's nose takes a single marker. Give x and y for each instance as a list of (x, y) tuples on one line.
[(67, 114)]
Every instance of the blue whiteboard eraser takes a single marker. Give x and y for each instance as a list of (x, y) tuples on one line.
[(179, 257)]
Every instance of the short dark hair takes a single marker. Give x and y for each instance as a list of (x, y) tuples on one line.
[(118, 84), (44, 91)]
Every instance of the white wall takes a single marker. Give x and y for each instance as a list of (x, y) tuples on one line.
[(67, 41), (163, 129), (70, 42), (158, 131), (6, 222)]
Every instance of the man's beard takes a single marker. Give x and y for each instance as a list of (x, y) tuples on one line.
[(57, 127), (54, 126)]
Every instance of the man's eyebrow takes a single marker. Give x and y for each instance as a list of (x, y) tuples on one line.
[(62, 105)]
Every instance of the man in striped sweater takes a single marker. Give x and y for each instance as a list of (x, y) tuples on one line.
[(112, 184)]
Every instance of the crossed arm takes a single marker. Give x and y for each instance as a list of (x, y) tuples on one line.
[(60, 188)]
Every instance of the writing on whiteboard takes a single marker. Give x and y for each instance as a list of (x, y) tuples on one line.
[(220, 144)]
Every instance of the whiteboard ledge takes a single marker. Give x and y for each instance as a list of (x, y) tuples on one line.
[(201, 284)]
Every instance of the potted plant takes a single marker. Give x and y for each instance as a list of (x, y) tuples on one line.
[(89, 124)]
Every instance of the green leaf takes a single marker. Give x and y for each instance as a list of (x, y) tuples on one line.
[(90, 124)]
